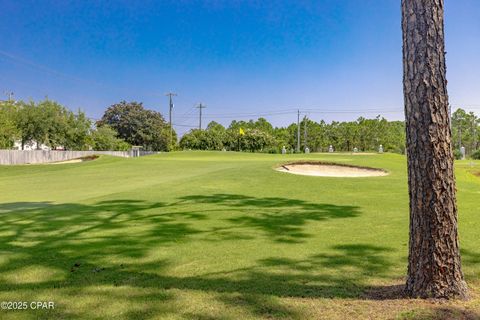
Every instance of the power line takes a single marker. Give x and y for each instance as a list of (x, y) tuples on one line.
[(354, 111), (53, 72), (255, 113), (186, 115), (293, 111), (44, 68), (184, 125)]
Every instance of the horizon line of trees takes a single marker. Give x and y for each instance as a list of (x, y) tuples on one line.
[(260, 136), (127, 124), (49, 124), (362, 134)]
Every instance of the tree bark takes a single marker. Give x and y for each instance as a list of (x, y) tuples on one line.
[(434, 267)]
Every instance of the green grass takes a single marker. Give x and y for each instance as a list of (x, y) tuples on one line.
[(205, 235)]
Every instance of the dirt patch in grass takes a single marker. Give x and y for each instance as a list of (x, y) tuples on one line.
[(329, 169)]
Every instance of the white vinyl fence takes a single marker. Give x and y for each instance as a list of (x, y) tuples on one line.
[(45, 156)]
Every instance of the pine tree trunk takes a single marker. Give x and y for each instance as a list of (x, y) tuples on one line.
[(434, 268)]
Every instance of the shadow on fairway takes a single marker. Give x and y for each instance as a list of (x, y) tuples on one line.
[(281, 219), (77, 239)]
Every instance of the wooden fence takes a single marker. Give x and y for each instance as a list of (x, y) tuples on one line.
[(44, 156)]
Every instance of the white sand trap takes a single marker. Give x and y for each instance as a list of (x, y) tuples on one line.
[(67, 161), (331, 170), (77, 160)]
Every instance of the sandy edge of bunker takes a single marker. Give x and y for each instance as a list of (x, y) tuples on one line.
[(76, 160), (330, 169)]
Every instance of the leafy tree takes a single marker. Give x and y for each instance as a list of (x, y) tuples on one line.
[(30, 124), (138, 126), (348, 133), (8, 128), (52, 119), (255, 140), (193, 140), (213, 138), (318, 136), (282, 138), (105, 138), (394, 137), (465, 130), (215, 126), (52, 124), (78, 133), (263, 125)]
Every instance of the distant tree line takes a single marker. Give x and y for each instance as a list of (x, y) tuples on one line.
[(466, 133), (261, 136), (127, 124), (47, 123), (362, 134)]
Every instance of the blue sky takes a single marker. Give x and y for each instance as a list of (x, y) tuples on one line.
[(245, 57)]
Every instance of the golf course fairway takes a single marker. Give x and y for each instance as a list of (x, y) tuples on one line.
[(219, 235)]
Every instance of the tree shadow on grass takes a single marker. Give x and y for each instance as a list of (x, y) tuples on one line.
[(281, 219), (100, 244), (123, 228)]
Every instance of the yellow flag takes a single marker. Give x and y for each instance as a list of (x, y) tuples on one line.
[(242, 132)]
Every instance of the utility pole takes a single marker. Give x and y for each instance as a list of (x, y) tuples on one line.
[(305, 131), (170, 95), (200, 107), (9, 94), (298, 130)]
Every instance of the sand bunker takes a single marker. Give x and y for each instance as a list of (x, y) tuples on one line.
[(77, 160), (67, 161), (330, 170)]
